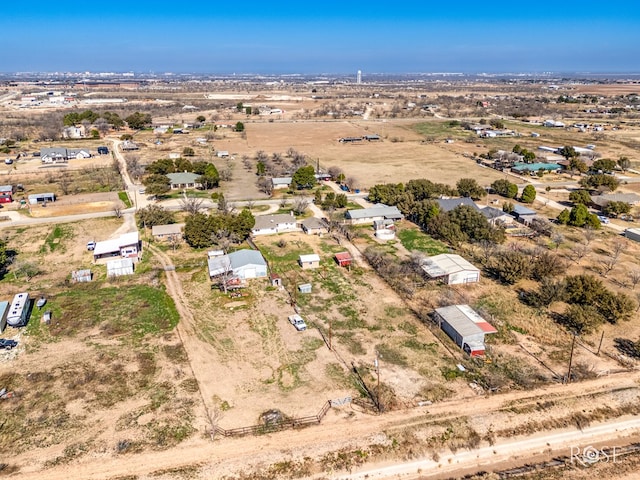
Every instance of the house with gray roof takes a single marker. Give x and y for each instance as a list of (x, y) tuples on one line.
[(53, 155), (279, 183), (184, 180), (243, 264), (448, 204), (601, 201), (272, 224), (314, 226), (497, 216), (379, 211)]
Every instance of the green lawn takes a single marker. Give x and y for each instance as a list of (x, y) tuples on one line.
[(125, 199), (416, 240)]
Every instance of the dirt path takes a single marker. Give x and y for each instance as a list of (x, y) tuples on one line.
[(339, 429)]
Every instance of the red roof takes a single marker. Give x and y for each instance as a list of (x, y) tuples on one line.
[(486, 327), (342, 256)]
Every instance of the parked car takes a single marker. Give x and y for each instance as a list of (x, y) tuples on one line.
[(7, 344), (91, 246), (603, 219), (8, 161), (297, 321), (142, 190)]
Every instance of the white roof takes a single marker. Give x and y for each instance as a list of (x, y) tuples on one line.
[(109, 246), (313, 257), (447, 264)]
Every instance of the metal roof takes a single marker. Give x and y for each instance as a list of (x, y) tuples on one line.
[(447, 264), (310, 258), (520, 210), (465, 320), (378, 210), (232, 261), (281, 180), (182, 177), (110, 246), (172, 229)]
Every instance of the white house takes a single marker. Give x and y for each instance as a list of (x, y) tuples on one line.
[(74, 132), (281, 182), (183, 180), (368, 215), (128, 245), (243, 264), (311, 260), (272, 224), (451, 269)]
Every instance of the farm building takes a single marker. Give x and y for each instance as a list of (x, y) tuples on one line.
[(19, 310), (309, 261), (279, 183), (81, 276), (4, 311), (37, 198), (183, 180), (369, 215), (465, 327), (222, 154), (167, 232), (304, 288), (6, 192), (119, 267), (448, 204), (243, 264), (314, 226), (272, 224), (128, 245), (343, 259), (451, 269)]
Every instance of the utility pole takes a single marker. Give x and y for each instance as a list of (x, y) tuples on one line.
[(330, 335), (377, 365), (573, 342), (600, 345)]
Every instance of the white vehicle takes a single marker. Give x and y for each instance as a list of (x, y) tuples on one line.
[(603, 219), (297, 321), (91, 246)]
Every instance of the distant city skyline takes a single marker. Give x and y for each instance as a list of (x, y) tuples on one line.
[(332, 37)]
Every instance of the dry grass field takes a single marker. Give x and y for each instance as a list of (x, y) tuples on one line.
[(114, 375)]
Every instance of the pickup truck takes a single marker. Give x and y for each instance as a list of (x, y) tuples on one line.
[(297, 321)]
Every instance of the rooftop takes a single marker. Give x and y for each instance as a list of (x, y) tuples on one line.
[(378, 210), (448, 204), (465, 320), (271, 221), (446, 264)]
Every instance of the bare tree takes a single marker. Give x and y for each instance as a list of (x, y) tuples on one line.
[(579, 252), (117, 210), (224, 238), (607, 264), (191, 205), (102, 126), (352, 183), (133, 166), (26, 269), (65, 183), (226, 175), (558, 239), (250, 204), (300, 204), (265, 186), (634, 278), (589, 234)]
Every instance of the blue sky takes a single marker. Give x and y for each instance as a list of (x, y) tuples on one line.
[(322, 36)]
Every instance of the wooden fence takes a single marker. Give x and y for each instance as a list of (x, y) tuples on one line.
[(276, 426)]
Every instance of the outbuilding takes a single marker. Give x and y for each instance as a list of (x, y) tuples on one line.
[(309, 261), (451, 269), (314, 226), (465, 327), (119, 267), (4, 311), (172, 231), (37, 198), (243, 264), (343, 259)]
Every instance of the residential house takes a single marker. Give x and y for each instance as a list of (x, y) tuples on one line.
[(167, 232), (280, 183), (465, 327), (78, 153), (183, 180), (448, 204), (272, 224), (369, 215), (309, 261), (243, 264), (451, 269), (314, 226), (601, 201), (128, 245), (74, 132), (497, 216), (523, 214), (53, 155)]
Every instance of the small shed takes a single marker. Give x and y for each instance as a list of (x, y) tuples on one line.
[(465, 327), (314, 226), (309, 261), (343, 259), (276, 280), (304, 288), (81, 276), (523, 214), (120, 267)]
